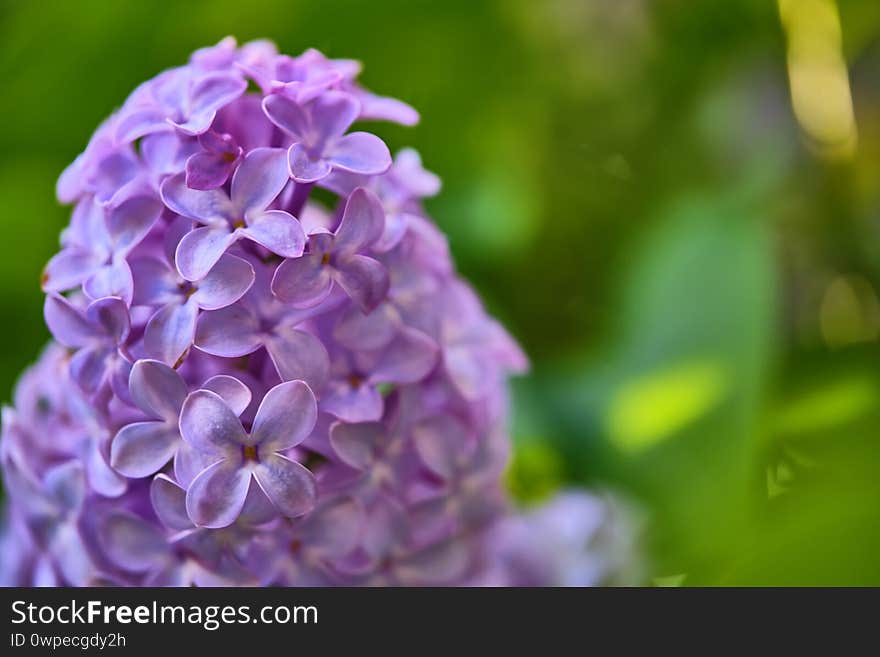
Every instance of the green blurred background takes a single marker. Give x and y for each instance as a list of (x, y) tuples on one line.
[(674, 205)]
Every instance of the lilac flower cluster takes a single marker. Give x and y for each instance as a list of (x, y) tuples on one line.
[(251, 385)]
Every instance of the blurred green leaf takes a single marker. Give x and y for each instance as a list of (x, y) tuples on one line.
[(677, 396)]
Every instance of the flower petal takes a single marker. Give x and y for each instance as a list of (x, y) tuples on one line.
[(129, 222), (287, 115), (103, 479), (357, 444), (69, 268), (333, 529), (396, 225), (331, 114), (110, 314), (143, 448), (305, 168), (118, 371), (66, 485), (298, 355), (258, 180), (215, 90), (441, 443), (217, 494), (218, 143), (71, 557), (367, 332), (140, 123), (303, 282), (157, 389), (89, 367), (169, 503), (435, 565), (170, 331), (381, 108), (155, 283), (468, 374), (206, 170), (246, 122), (206, 206), (163, 152), (364, 279), (289, 485), (113, 280), (409, 171), (176, 230), (278, 231), (115, 177), (225, 284), (189, 462), (197, 123), (131, 543), (229, 332), (209, 425), (361, 403), (258, 509), (67, 323), (360, 152), (410, 357), (362, 222), (235, 393), (201, 249), (286, 416)]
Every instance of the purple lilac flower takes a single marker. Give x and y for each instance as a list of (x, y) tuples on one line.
[(250, 385), (335, 258), (96, 246), (378, 451), (301, 78), (186, 99), (99, 334), (104, 171), (242, 214), (284, 419), (353, 395), (320, 143), (210, 167), (400, 191), (261, 320), (171, 329)]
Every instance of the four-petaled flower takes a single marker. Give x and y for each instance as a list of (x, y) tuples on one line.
[(301, 78), (284, 419), (171, 329), (96, 247), (255, 184), (186, 102), (379, 349), (260, 320), (320, 143), (211, 166), (379, 450), (334, 257), (99, 334)]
